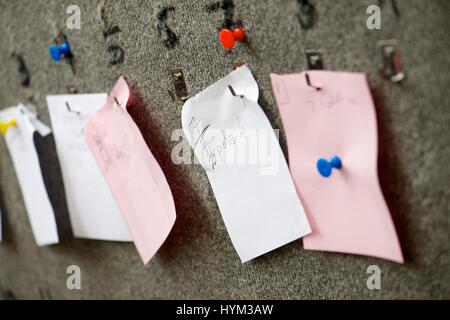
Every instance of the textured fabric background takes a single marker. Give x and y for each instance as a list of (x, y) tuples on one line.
[(198, 260)]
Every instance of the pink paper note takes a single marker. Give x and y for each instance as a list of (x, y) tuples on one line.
[(134, 176), (347, 211)]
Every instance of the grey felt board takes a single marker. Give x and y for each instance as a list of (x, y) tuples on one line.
[(198, 259)]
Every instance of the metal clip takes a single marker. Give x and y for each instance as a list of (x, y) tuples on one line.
[(117, 101), (391, 68), (179, 84), (314, 59), (241, 96), (69, 109), (308, 82), (233, 93)]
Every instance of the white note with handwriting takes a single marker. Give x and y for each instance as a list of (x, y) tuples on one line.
[(20, 142), (236, 144), (92, 209)]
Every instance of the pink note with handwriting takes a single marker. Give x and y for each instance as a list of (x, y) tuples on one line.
[(134, 176), (347, 210)]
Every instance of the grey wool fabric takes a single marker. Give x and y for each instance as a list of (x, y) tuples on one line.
[(198, 259)]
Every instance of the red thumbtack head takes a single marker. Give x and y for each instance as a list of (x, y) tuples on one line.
[(228, 37), (239, 34)]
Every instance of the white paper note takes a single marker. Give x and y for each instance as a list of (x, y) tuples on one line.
[(235, 143), (93, 211), (19, 140)]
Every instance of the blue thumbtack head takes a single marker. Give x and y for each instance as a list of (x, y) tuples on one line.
[(325, 167), (57, 52)]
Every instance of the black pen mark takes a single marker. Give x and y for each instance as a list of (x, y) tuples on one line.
[(228, 8), (168, 37), (117, 55), (111, 31), (202, 134), (25, 78), (306, 14)]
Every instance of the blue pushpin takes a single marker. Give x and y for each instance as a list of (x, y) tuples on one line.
[(57, 52), (325, 167)]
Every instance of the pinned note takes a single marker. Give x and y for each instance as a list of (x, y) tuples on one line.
[(93, 211), (19, 139), (235, 143), (134, 176), (345, 206)]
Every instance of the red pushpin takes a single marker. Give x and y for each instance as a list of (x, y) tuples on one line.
[(228, 38)]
